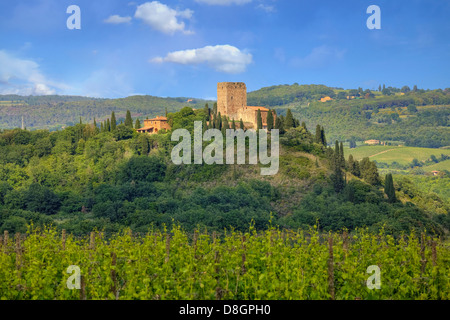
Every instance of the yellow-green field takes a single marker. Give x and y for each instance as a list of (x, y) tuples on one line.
[(401, 155), (444, 165), (11, 103)]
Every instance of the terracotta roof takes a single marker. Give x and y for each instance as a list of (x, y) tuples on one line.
[(157, 119), (260, 108)]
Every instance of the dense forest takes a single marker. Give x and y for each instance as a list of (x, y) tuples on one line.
[(109, 177)]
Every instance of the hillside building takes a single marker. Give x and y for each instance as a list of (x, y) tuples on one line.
[(325, 99), (372, 142), (152, 126), (232, 103)]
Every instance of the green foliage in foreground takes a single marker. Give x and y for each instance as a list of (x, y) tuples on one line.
[(273, 265), (81, 179)]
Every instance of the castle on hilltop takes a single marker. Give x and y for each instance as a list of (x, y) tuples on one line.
[(232, 103)]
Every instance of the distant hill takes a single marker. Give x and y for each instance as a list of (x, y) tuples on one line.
[(286, 94), (54, 112), (419, 118)]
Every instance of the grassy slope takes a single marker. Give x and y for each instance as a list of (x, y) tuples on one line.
[(402, 155), (444, 165)]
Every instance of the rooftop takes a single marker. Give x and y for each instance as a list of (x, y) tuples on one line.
[(260, 108), (157, 119)]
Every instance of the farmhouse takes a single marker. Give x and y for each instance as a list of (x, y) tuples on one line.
[(372, 142), (325, 99), (152, 126)]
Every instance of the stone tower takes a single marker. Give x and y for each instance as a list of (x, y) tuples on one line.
[(231, 98)]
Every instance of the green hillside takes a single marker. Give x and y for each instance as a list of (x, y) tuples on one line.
[(418, 118), (55, 112), (286, 94), (82, 178)]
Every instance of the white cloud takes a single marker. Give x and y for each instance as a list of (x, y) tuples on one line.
[(266, 8), (223, 2), (163, 18), (222, 58), (319, 57), (23, 77), (116, 19)]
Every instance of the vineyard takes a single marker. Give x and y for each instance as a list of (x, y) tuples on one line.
[(271, 265)]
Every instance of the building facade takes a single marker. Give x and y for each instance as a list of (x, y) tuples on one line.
[(232, 103), (152, 126)]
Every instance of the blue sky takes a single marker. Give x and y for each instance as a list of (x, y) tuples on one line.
[(184, 47)]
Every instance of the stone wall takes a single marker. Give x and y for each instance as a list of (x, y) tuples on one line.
[(231, 98), (232, 102)]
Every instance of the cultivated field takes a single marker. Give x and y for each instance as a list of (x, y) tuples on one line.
[(401, 155)]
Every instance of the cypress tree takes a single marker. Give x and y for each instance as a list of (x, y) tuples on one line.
[(128, 120), (279, 124), (206, 110), (138, 124), (338, 180), (289, 121), (219, 121), (96, 129), (101, 127), (337, 177), (351, 164), (336, 153), (145, 146), (269, 120), (108, 125), (166, 112), (241, 125), (304, 126), (204, 125), (389, 188), (113, 122), (322, 136), (259, 120), (357, 170), (215, 108), (233, 125), (318, 137), (225, 125), (341, 156), (214, 122)]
